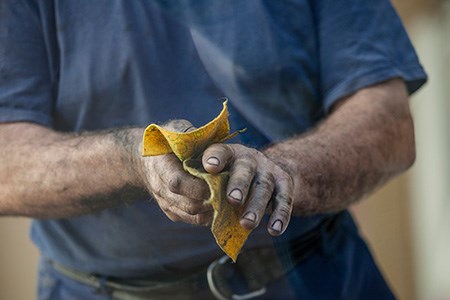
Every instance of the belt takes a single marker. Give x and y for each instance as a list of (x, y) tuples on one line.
[(139, 289), (256, 267)]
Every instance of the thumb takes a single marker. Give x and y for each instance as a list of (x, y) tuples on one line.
[(216, 157), (179, 125)]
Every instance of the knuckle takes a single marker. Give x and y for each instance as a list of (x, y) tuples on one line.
[(265, 181), (283, 212), (216, 148), (191, 209), (264, 195), (249, 152), (243, 169), (284, 199), (263, 191), (180, 125), (268, 176), (227, 149), (288, 181), (220, 150), (247, 160), (175, 184)]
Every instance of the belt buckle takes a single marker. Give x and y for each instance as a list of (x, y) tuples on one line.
[(219, 295)]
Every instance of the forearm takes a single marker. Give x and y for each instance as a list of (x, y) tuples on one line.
[(367, 139), (46, 174)]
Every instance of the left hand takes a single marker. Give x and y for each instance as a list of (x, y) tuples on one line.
[(256, 182)]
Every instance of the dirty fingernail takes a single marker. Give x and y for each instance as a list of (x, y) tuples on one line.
[(250, 216), (236, 194), (277, 225), (213, 161), (188, 129)]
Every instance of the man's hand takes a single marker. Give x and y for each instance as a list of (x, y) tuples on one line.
[(256, 182), (367, 139), (179, 194)]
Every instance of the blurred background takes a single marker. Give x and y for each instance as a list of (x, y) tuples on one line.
[(406, 223)]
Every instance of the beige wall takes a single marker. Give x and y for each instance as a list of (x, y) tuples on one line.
[(18, 260), (409, 10), (384, 220), (431, 173)]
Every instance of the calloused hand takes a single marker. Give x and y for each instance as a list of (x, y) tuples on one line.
[(256, 182)]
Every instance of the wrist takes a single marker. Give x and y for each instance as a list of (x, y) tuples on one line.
[(281, 158), (130, 143), (294, 166)]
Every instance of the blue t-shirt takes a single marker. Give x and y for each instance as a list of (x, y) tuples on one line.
[(91, 65)]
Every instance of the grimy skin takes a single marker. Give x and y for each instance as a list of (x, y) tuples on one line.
[(367, 139)]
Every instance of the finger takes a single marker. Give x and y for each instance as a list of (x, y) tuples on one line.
[(184, 184), (165, 207), (282, 207), (179, 125), (216, 157), (171, 215), (180, 182), (261, 193), (205, 219), (242, 173), (177, 215), (192, 207)]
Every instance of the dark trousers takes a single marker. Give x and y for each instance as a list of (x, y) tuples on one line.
[(342, 268)]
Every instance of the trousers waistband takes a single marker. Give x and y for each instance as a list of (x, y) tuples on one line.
[(257, 267)]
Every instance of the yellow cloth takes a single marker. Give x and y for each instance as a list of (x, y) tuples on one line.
[(188, 147)]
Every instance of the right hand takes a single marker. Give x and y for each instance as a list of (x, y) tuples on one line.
[(179, 194)]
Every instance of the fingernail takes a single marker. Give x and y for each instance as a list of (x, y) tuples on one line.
[(213, 161), (190, 128), (277, 225), (236, 194), (250, 216)]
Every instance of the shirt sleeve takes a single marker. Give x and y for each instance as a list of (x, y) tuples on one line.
[(25, 79), (363, 43)]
